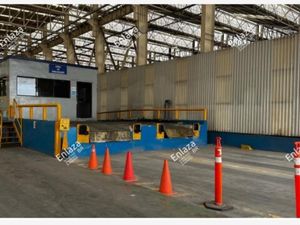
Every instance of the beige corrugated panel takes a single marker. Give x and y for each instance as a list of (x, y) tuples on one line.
[(136, 87), (164, 84), (102, 96), (181, 86), (149, 90), (124, 91), (255, 90), (113, 92)]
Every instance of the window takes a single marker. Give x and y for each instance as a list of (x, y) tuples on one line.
[(62, 89), (26, 86), (43, 87), (3, 84)]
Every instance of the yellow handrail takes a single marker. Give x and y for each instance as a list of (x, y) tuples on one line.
[(19, 108), (14, 113), (44, 108), (158, 112)]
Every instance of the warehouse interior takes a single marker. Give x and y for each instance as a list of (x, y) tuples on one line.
[(150, 111)]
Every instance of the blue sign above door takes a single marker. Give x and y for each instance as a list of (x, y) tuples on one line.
[(57, 68)]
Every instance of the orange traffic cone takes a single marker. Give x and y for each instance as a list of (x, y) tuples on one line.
[(93, 162), (106, 168), (128, 172), (165, 182)]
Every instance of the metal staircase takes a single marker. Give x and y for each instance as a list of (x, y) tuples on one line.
[(11, 127), (9, 135)]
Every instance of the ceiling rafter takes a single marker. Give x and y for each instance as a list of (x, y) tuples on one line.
[(173, 29)]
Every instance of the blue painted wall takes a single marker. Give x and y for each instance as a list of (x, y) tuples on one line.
[(261, 142), (148, 142), (40, 138)]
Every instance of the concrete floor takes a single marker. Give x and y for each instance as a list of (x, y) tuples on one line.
[(256, 183)]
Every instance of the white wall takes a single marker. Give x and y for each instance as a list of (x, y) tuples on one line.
[(19, 67)]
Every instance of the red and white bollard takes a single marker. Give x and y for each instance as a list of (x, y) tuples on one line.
[(218, 204), (297, 178), (218, 172)]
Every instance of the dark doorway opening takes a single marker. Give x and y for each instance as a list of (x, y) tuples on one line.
[(84, 100)]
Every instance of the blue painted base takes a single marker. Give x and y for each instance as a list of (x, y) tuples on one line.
[(39, 135), (148, 142), (261, 142)]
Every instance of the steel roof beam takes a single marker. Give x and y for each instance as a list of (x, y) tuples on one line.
[(86, 27)]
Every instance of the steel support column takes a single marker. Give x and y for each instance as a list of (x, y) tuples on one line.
[(68, 42), (207, 28), (141, 17), (46, 50), (99, 43)]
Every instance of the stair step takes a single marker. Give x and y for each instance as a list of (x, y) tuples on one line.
[(9, 134), (9, 143)]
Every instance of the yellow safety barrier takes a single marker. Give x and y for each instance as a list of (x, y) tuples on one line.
[(83, 133), (64, 126), (196, 129), (136, 132), (44, 108), (157, 112), (160, 132), (16, 112)]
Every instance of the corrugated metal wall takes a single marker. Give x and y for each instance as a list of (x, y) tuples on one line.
[(254, 90)]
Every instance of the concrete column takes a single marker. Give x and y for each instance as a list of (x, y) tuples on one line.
[(5, 53), (141, 17), (99, 43), (46, 50), (259, 30), (224, 39), (99, 46), (29, 43), (195, 46), (170, 53), (68, 42), (100, 51), (66, 21), (44, 32), (69, 45), (207, 28), (17, 47)]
